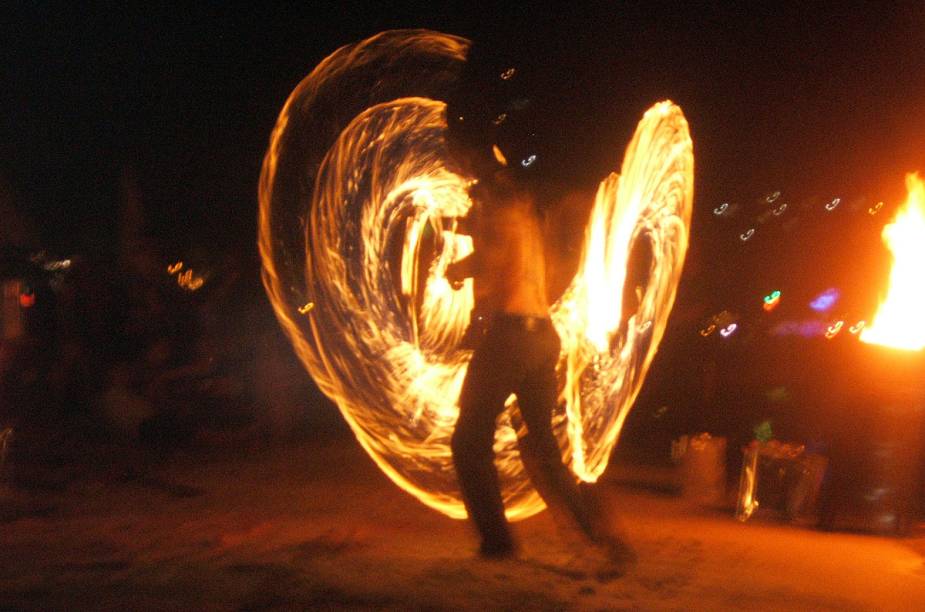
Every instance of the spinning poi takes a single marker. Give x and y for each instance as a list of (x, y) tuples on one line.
[(353, 193)]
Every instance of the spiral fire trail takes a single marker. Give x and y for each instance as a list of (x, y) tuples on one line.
[(353, 194)]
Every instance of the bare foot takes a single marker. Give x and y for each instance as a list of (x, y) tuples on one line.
[(599, 563)]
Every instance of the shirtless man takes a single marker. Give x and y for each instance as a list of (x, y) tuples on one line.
[(491, 120), (516, 354)]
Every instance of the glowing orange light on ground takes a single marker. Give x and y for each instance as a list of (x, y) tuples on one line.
[(900, 320), (366, 241)]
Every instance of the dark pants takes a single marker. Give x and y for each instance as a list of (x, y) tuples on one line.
[(517, 355)]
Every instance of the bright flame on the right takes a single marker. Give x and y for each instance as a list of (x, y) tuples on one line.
[(900, 320)]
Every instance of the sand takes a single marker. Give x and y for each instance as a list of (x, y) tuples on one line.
[(315, 525)]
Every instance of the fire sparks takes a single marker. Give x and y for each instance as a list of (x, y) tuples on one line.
[(372, 248), (186, 279), (900, 322)]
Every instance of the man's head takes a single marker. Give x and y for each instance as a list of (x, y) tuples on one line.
[(495, 116), (518, 106)]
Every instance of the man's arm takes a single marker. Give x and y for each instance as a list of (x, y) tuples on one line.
[(462, 269)]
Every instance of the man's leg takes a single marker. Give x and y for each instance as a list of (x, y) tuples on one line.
[(578, 510), (485, 389), (539, 450)]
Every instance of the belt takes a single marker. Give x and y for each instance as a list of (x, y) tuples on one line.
[(527, 322)]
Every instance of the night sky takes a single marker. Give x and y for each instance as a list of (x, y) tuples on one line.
[(815, 103)]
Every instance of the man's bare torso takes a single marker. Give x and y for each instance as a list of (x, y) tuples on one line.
[(508, 241)]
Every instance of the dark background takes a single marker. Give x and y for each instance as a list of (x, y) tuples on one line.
[(816, 101)]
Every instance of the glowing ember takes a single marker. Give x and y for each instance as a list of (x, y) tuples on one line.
[(186, 279), (27, 299), (899, 322), (357, 225)]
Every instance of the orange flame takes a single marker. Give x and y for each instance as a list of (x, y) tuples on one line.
[(346, 225), (900, 320)]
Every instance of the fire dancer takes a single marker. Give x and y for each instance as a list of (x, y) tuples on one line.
[(491, 137)]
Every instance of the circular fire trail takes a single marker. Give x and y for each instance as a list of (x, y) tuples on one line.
[(354, 195)]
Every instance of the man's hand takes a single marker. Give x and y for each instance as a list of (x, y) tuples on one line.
[(455, 274), (460, 270)]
